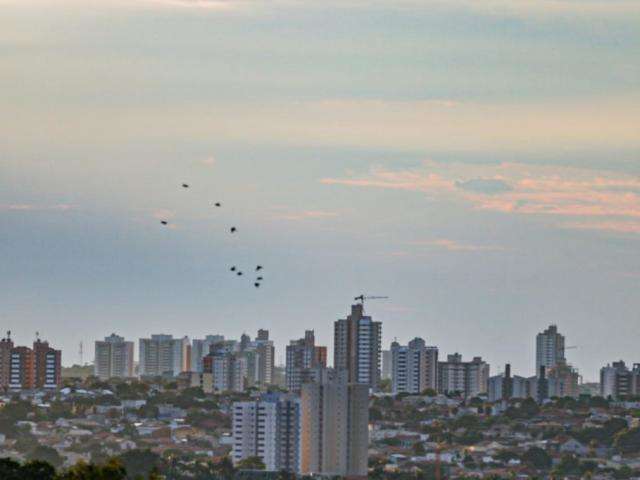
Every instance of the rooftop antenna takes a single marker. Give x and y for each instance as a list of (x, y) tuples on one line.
[(37, 336), (81, 352)]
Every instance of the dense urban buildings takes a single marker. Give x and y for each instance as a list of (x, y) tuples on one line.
[(200, 348), (468, 378), (357, 347), (268, 428), (24, 368), (619, 381), (303, 355), (113, 358), (414, 367)]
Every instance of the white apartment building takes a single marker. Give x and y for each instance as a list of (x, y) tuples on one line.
[(113, 358), (268, 428)]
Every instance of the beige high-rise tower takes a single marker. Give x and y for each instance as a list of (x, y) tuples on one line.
[(357, 347), (334, 426)]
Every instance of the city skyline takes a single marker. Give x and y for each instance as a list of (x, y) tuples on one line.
[(475, 162)]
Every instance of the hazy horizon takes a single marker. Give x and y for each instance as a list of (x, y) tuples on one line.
[(477, 162)]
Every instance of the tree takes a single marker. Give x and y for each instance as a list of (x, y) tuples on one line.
[(139, 463), (251, 463), (629, 441), (418, 449), (112, 470), (10, 469), (47, 454), (37, 470), (537, 458)]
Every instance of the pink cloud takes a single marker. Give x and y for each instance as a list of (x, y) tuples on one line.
[(306, 215), (454, 246), (28, 207), (514, 188)]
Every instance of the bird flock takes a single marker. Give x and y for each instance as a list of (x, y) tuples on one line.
[(232, 230)]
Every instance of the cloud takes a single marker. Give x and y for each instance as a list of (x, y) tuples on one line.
[(488, 186), (454, 246), (608, 226), (28, 207), (518, 189), (306, 215)]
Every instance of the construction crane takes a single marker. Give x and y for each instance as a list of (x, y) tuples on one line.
[(364, 297)]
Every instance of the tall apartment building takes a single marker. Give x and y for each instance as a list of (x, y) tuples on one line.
[(334, 432), (357, 347), (163, 355), (618, 381), (22, 369), (414, 367), (386, 365), (48, 365), (268, 428), (468, 378), (229, 370), (6, 345), (113, 358), (303, 354), (266, 353), (549, 349), (200, 348)]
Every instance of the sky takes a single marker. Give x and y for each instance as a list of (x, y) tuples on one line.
[(478, 162)]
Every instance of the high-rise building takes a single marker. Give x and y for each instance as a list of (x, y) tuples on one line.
[(200, 348), (6, 345), (549, 349), (266, 353), (386, 365), (335, 418), (563, 380), (303, 354), (357, 347), (47, 364), (228, 368), (268, 428), (414, 367), (163, 355), (618, 381), (468, 378), (113, 358), (22, 369)]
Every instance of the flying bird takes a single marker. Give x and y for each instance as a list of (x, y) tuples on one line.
[(259, 279), (233, 229), (239, 273), (164, 222), (258, 268), (257, 285), (218, 204), (233, 269), (185, 185)]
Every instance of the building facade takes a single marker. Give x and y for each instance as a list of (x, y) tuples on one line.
[(268, 428), (414, 367), (335, 422), (303, 354), (163, 355), (113, 358), (358, 347), (467, 378), (550, 349)]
